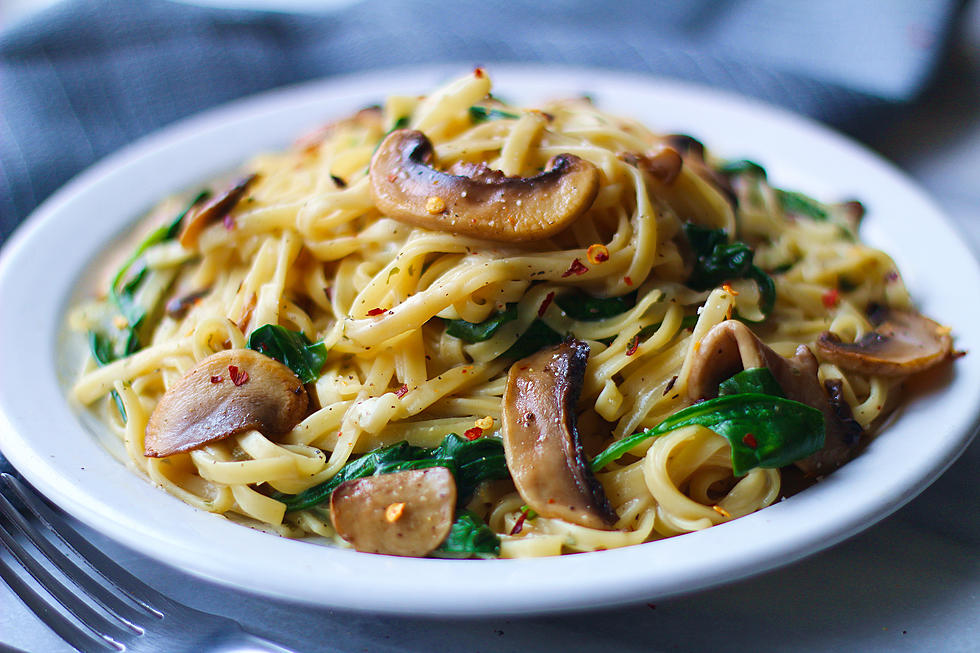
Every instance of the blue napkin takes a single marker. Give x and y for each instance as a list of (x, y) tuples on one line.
[(88, 76)]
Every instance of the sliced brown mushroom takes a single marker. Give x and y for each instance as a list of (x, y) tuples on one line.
[(486, 205), (902, 342), (663, 163), (541, 443), (730, 347), (693, 152), (404, 513), (227, 393), (213, 210)]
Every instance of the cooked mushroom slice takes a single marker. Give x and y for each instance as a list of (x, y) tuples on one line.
[(903, 342), (542, 445), (693, 152), (487, 204), (664, 163), (730, 347), (229, 392), (404, 513), (215, 209)]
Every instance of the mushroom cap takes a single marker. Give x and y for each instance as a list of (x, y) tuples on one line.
[(227, 393), (541, 443), (486, 204), (903, 342), (405, 513)]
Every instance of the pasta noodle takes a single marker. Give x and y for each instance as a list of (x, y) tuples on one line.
[(303, 244)]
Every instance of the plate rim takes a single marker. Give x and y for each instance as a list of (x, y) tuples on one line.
[(563, 593)]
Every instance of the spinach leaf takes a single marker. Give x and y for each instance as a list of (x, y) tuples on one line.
[(763, 431), (161, 234), (291, 348), (480, 114), (742, 167), (479, 331), (471, 463), (103, 352), (124, 294), (538, 336), (757, 379), (581, 306), (469, 537), (717, 261), (800, 204)]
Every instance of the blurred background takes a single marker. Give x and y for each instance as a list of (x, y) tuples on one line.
[(81, 78)]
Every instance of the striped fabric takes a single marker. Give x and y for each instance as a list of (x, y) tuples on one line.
[(88, 76)]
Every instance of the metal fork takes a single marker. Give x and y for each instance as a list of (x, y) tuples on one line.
[(102, 606)]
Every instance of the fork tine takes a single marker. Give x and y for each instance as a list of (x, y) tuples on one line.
[(41, 606), (138, 591), (96, 622), (100, 594)]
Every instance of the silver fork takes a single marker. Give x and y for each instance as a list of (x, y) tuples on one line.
[(102, 606)]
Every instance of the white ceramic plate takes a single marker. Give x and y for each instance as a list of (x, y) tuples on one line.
[(43, 270)]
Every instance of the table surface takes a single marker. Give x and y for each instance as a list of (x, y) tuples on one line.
[(910, 583)]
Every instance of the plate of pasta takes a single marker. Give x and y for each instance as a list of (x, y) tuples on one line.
[(561, 338)]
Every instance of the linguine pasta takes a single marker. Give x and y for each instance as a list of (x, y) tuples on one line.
[(421, 325)]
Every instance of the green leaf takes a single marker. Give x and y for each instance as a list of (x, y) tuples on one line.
[(538, 336), (742, 167), (800, 204), (291, 348), (469, 537), (479, 331), (718, 261), (480, 114), (161, 234), (758, 379), (581, 306), (783, 431), (471, 463), (103, 351)]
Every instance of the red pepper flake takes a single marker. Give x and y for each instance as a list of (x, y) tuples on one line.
[(519, 524), (402, 391), (831, 298), (478, 72), (727, 287), (577, 268), (237, 375), (597, 253), (545, 304), (891, 277), (627, 281), (228, 222), (375, 312), (473, 433), (670, 385), (633, 345), (749, 440), (216, 379)]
